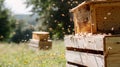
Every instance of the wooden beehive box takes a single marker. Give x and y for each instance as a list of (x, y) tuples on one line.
[(92, 51), (40, 41), (97, 17), (36, 44), (42, 36)]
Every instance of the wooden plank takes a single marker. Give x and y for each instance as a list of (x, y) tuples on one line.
[(85, 42), (99, 42), (34, 41), (42, 36), (69, 41), (100, 60), (40, 44), (45, 45), (112, 45), (90, 60), (74, 57), (85, 59), (89, 43), (108, 19), (92, 19), (85, 50)]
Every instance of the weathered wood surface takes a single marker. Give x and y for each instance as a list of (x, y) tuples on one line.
[(42, 36), (93, 51), (85, 42), (107, 18), (97, 17), (84, 51), (45, 45), (85, 59), (112, 46), (36, 44), (81, 19)]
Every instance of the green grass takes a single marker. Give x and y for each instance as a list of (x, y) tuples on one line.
[(19, 55)]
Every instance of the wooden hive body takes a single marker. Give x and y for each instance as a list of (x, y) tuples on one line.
[(92, 51), (97, 17), (40, 41), (42, 36)]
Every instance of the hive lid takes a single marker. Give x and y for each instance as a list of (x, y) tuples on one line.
[(40, 32), (83, 4)]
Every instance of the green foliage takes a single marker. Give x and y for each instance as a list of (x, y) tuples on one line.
[(56, 15), (6, 22), (21, 33)]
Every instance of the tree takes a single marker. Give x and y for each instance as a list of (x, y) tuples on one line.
[(23, 32), (56, 15), (6, 22)]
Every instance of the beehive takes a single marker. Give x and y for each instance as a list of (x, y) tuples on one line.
[(92, 51), (42, 36), (97, 17), (40, 41), (38, 45)]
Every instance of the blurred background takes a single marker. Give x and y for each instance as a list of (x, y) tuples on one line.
[(18, 18)]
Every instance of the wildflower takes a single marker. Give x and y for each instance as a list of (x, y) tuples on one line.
[(25, 62)]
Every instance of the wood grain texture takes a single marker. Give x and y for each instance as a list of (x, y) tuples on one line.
[(85, 42), (42, 36), (77, 51), (112, 46), (45, 45), (97, 17), (36, 44), (85, 59), (81, 50)]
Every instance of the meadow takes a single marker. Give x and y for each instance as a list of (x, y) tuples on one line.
[(20, 55)]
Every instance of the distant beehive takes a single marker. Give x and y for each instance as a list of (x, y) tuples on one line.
[(97, 17), (40, 41), (42, 36)]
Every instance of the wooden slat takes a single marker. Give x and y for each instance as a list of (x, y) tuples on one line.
[(85, 59), (33, 41), (77, 52), (42, 36), (90, 59), (92, 19), (75, 57), (85, 42), (45, 45), (100, 60), (112, 47)]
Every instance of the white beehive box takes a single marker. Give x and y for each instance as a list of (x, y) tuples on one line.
[(93, 51)]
